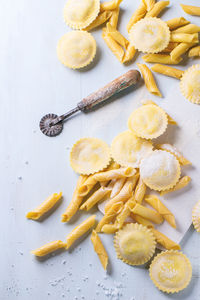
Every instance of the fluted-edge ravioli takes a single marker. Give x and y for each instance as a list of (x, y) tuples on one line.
[(190, 84), (196, 216)]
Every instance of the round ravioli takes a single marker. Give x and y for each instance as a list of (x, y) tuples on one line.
[(196, 216), (89, 155), (160, 170), (190, 84), (150, 35), (134, 244), (171, 271), (78, 14), (76, 49), (127, 149), (148, 121)]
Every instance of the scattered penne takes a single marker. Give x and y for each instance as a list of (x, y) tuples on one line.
[(170, 47), (177, 22), (161, 58), (43, 208), (191, 10), (110, 215), (118, 184), (147, 213), (129, 54), (110, 5), (48, 248), (117, 36), (79, 231), (168, 71), (137, 15), (110, 228), (125, 212), (95, 198), (142, 221), (195, 51), (183, 182), (189, 28), (149, 4), (180, 49), (157, 8), (149, 80), (156, 203), (114, 18), (99, 249), (140, 191), (184, 37), (116, 49), (100, 19), (165, 241)]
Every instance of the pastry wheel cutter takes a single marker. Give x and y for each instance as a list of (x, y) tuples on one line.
[(52, 125)]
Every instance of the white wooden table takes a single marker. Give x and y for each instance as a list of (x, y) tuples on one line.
[(33, 83)]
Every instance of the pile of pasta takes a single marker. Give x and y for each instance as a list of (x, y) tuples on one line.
[(118, 184)]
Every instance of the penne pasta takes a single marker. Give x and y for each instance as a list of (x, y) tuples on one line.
[(110, 215), (44, 207), (177, 22), (191, 10), (170, 47), (149, 4), (161, 58), (189, 28), (195, 51), (180, 49), (129, 54), (99, 249), (149, 80), (168, 71), (184, 37), (170, 148), (75, 202), (137, 15), (165, 241), (157, 8), (110, 228), (48, 248), (140, 191), (114, 18), (142, 221), (183, 182), (156, 203), (110, 5), (100, 19), (79, 231), (116, 49), (125, 212), (147, 213), (117, 36), (95, 198), (118, 184)]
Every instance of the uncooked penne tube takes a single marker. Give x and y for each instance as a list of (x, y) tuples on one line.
[(105, 176), (183, 182), (137, 15), (195, 51), (149, 80), (100, 19), (149, 4), (170, 148), (118, 184), (80, 230), (99, 249), (75, 202), (157, 8), (140, 191), (191, 10), (180, 49), (147, 213), (114, 18), (116, 49), (117, 36), (110, 5), (156, 203), (44, 207), (189, 28), (95, 198), (129, 54), (177, 22), (48, 248), (125, 212), (109, 228), (168, 71), (110, 215), (184, 37), (124, 194), (170, 47), (161, 58), (165, 241), (142, 221)]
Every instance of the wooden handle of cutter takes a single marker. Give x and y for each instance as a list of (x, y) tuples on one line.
[(130, 78)]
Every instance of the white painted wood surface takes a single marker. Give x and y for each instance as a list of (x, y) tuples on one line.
[(33, 83)]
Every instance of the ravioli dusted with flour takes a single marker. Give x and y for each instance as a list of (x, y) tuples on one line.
[(190, 84)]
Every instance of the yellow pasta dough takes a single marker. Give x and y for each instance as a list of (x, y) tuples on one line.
[(148, 121), (160, 170), (78, 14), (190, 84), (164, 241), (150, 35), (89, 155), (134, 244), (76, 49), (161, 58), (168, 71), (127, 149), (99, 249), (48, 248), (196, 216), (171, 271)]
